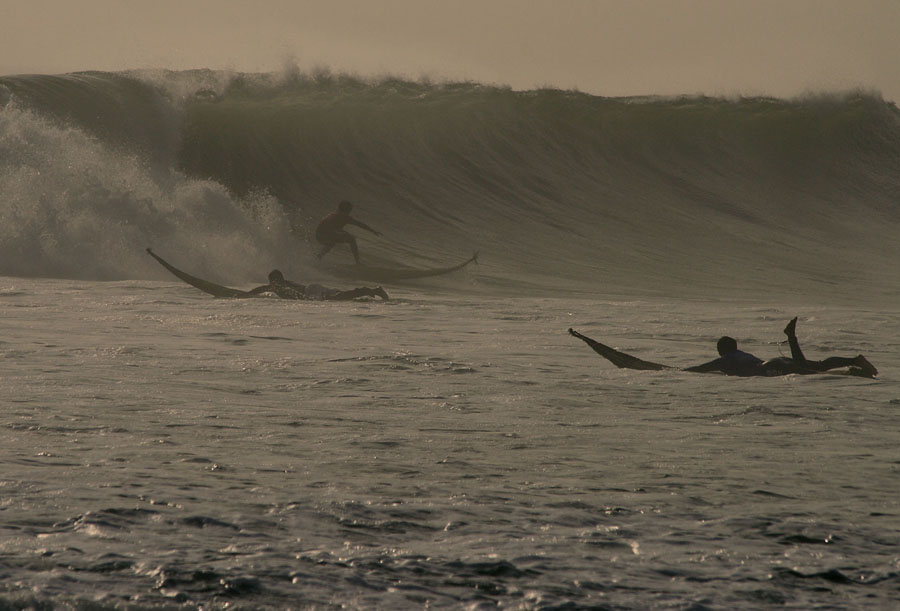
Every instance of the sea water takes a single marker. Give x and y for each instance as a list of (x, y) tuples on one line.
[(161, 447), (453, 447)]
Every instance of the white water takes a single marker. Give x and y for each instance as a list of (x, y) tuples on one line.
[(163, 447)]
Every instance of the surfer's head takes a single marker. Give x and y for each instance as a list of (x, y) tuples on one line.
[(276, 276), (726, 345), (345, 206)]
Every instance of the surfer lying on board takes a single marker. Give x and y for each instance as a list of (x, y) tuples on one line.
[(277, 285), (734, 362), (330, 230), (286, 289)]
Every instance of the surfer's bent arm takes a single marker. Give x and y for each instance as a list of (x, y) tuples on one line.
[(710, 367), (364, 226)]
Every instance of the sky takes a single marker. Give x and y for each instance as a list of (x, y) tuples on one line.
[(781, 48)]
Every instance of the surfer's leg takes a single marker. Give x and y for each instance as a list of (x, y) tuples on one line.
[(327, 244), (782, 366), (344, 295), (353, 248), (362, 291), (342, 237), (796, 354), (332, 239), (832, 362), (836, 362), (864, 364)]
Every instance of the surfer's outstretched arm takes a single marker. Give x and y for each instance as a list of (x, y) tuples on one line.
[(364, 226), (714, 366)]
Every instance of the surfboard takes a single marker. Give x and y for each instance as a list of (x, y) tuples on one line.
[(394, 274), (619, 359), (216, 290)]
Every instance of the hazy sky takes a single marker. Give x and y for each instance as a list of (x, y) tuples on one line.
[(606, 47)]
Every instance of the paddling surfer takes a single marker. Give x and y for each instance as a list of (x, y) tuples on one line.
[(734, 362), (330, 230), (286, 289)]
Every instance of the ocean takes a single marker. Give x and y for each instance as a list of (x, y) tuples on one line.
[(453, 447)]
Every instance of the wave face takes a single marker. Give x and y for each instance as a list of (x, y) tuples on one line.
[(227, 174)]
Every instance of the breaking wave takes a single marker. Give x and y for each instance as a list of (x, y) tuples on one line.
[(227, 173)]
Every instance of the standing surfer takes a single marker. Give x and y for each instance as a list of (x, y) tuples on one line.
[(331, 230)]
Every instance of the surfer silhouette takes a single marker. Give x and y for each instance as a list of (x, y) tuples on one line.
[(286, 289), (330, 230), (277, 284), (734, 362)]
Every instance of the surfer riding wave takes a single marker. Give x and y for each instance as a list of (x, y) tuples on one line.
[(330, 230)]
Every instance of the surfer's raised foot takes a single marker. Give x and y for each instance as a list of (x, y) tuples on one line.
[(381, 293), (864, 364), (791, 328)]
